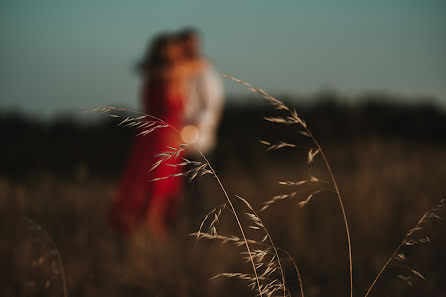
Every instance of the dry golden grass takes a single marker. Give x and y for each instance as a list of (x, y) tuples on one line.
[(251, 238), (262, 280), (98, 263)]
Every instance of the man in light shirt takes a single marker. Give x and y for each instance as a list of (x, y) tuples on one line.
[(203, 109), (204, 97)]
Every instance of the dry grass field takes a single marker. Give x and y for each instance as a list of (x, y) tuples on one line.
[(55, 192)]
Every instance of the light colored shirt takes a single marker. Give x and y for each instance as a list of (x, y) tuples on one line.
[(204, 104)]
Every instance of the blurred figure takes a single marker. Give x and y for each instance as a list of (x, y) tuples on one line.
[(139, 200), (204, 96), (203, 109)]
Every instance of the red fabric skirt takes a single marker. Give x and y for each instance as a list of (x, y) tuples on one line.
[(140, 201)]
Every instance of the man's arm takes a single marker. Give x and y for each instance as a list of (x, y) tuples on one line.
[(211, 95)]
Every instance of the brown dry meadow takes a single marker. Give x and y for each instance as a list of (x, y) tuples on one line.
[(349, 218)]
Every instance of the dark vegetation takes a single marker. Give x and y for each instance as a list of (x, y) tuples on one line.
[(58, 146)]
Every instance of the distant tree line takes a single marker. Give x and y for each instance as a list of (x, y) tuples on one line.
[(60, 146)]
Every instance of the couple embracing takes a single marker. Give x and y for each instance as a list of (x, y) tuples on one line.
[(182, 88)]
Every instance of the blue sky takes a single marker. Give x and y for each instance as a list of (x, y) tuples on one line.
[(65, 55)]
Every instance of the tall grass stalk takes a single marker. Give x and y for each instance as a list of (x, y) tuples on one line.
[(40, 229), (428, 216), (293, 118), (139, 122)]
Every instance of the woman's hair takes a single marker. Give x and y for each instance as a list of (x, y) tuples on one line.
[(156, 54), (187, 33)]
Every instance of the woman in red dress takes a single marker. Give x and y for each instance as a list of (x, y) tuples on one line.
[(140, 201)]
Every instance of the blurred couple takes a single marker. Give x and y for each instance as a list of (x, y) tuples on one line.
[(181, 87)]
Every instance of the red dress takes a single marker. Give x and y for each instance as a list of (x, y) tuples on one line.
[(139, 200)]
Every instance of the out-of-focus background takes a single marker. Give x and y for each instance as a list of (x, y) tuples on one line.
[(368, 78)]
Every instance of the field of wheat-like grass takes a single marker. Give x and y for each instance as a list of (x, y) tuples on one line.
[(292, 217)]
